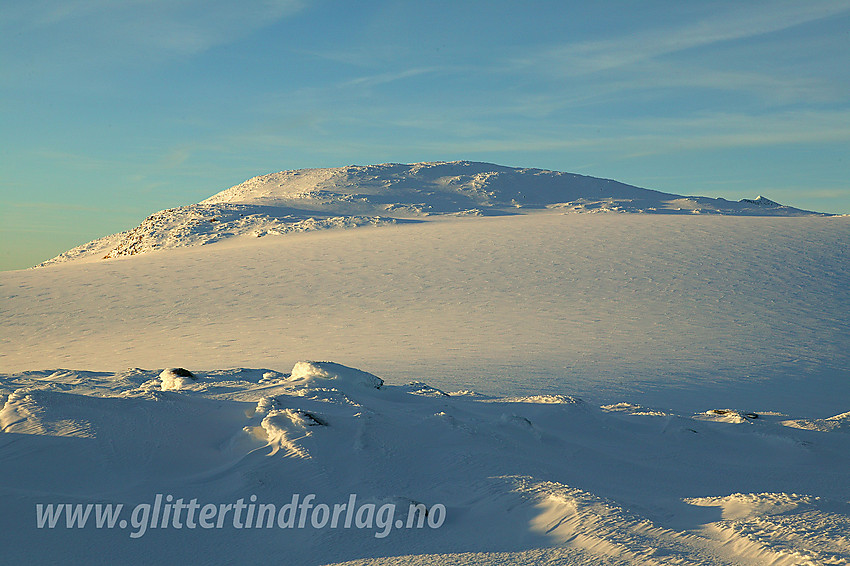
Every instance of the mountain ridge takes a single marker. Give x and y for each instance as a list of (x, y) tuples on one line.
[(302, 200)]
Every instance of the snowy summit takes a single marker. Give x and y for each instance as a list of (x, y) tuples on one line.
[(343, 197)]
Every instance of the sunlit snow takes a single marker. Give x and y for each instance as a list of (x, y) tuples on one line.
[(580, 371)]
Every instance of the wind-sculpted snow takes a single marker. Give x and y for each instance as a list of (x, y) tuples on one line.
[(344, 197), (524, 480)]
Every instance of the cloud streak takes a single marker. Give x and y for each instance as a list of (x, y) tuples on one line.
[(655, 136), (389, 77), (748, 20), (97, 33)]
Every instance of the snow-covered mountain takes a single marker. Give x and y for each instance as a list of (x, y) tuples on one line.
[(343, 197), (655, 389)]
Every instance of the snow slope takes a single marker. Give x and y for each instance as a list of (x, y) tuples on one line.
[(573, 388), (344, 197), (653, 309), (524, 479)]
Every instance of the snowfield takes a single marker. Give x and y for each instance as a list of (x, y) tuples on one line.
[(666, 385), (526, 480)]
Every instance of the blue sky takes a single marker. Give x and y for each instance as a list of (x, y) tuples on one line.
[(111, 110)]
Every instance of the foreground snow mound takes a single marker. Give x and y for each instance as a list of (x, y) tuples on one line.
[(838, 423), (537, 478), (321, 373), (345, 197)]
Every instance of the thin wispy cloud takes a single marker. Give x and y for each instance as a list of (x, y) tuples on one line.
[(727, 61), (667, 79), (103, 32), (780, 89), (355, 55), (748, 20), (644, 137), (389, 77), (729, 130)]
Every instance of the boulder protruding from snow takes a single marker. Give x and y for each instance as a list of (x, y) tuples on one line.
[(175, 379), (760, 201), (321, 373)]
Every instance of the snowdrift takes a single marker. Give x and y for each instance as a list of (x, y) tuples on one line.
[(521, 479)]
